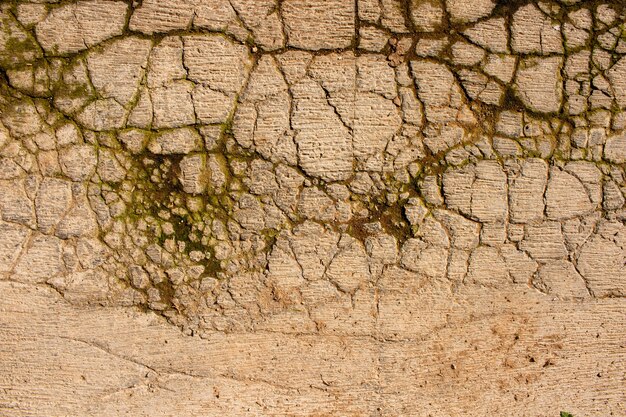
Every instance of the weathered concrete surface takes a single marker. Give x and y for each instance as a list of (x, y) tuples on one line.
[(344, 207), (486, 356)]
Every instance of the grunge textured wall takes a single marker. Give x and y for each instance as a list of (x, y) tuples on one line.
[(312, 208)]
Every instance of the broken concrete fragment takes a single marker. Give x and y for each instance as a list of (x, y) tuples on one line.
[(29, 14), (489, 201), (382, 250), (373, 74), (80, 221), (464, 233), (465, 53), (617, 76), (538, 83), (314, 204), (314, 248), (432, 232), (566, 196), (211, 106), (377, 120), (613, 197), (109, 168), (480, 87), (193, 175), (175, 141), (424, 258), (434, 81), (134, 140), (9, 169), (41, 261), (318, 24), (462, 12), (372, 39), (392, 17), (533, 32), (117, 69), (105, 114), (487, 267), (172, 105), (262, 17), (491, 34), (521, 267), (218, 173), (526, 191), (88, 286), (615, 148), (591, 177), (52, 202), (162, 16), (501, 67), (324, 142), (262, 117), (78, 162), (12, 240), (457, 188), (349, 268), (544, 241), (15, 204), (561, 279), (165, 63), (22, 119), (74, 27), (17, 45), (602, 264), (427, 16), (216, 61), (141, 115)]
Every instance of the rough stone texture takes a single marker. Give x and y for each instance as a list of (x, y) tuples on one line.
[(324, 143), (566, 196), (78, 162), (77, 26), (318, 24), (427, 16), (615, 149), (162, 16), (312, 208), (52, 201), (527, 190), (538, 83), (533, 32), (490, 34), (176, 141), (462, 11)]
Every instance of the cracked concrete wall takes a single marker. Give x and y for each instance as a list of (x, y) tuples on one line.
[(338, 207)]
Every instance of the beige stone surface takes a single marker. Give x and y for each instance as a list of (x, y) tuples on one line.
[(312, 208)]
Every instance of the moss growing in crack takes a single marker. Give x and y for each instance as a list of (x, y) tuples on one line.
[(395, 223), (167, 292), (19, 45), (250, 42), (390, 217), (158, 194), (77, 91), (511, 101), (227, 126), (508, 7), (433, 165), (270, 236)]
